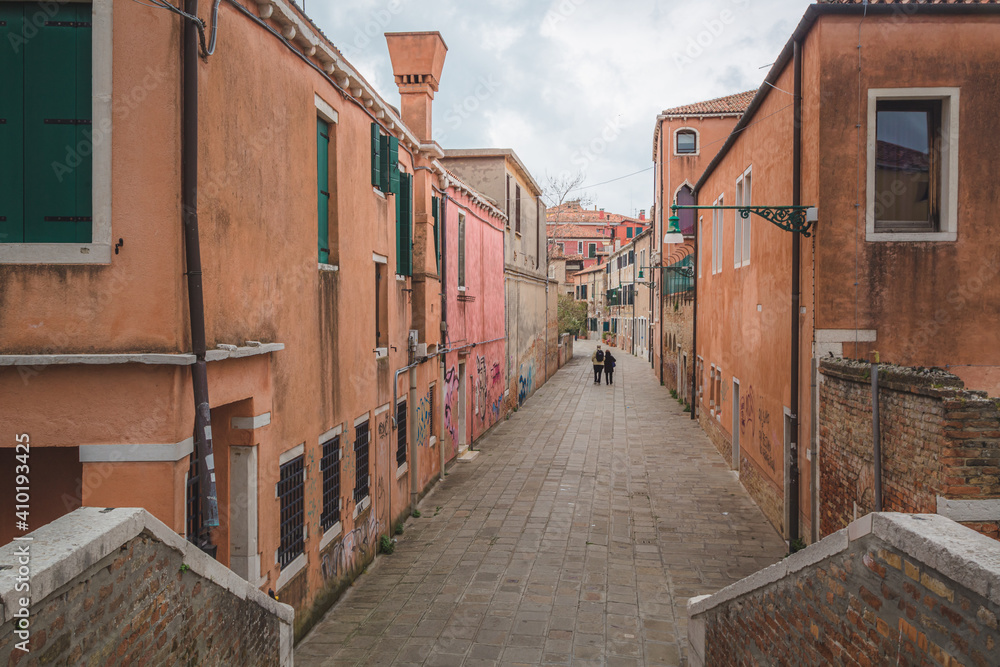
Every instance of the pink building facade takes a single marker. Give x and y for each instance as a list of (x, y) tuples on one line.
[(475, 377)]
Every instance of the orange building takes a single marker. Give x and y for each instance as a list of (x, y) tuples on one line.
[(255, 231), (894, 158), (685, 139)]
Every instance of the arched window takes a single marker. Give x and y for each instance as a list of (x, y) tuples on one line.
[(687, 142)]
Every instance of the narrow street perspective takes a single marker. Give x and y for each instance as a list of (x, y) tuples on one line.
[(577, 534), (398, 332)]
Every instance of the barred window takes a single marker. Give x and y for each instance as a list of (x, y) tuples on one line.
[(330, 468), (401, 433), (361, 441), (291, 492)]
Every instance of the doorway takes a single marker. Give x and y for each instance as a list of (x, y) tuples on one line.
[(736, 424), (463, 442), (788, 472)]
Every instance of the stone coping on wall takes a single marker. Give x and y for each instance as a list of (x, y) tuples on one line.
[(65, 549), (933, 382), (959, 553)]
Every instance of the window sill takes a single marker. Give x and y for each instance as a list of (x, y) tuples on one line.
[(55, 253), (400, 278), (378, 192), (381, 352), (433, 441), (401, 470), (365, 503), (289, 571), (911, 237), (328, 267), (462, 288), (330, 535)]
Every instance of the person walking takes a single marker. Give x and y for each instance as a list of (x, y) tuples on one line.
[(597, 359), (609, 367)]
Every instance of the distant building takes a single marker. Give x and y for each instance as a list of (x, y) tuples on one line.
[(685, 139), (532, 330)]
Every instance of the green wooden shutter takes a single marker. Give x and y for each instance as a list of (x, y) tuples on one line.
[(408, 202), (436, 209), (376, 157), (11, 125), (404, 222), (58, 146), (323, 189), (390, 165)]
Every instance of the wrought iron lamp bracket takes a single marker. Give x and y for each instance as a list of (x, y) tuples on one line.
[(788, 218)]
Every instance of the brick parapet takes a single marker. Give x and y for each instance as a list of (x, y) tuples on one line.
[(890, 588), (939, 440), (118, 587)]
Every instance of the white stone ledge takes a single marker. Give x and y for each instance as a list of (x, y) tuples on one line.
[(70, 545), (958, 553), (251, 423), (139, 358), (136, 453), (986, 509)]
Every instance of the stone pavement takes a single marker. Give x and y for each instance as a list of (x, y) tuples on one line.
[(575, 537)]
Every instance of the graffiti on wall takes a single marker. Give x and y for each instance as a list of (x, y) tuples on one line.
[(424, 419), (355, 546), (451, 384), (764, 440), (746, 413), (481, 388), (525, 382)]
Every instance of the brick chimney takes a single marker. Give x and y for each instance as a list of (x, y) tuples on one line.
[(417, 61), (642, 214)]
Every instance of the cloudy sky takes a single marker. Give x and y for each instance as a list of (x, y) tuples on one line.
[(570, 85)]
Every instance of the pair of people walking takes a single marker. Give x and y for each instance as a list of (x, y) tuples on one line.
[(603, 361)]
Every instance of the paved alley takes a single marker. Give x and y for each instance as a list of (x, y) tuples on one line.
[(575, 537)]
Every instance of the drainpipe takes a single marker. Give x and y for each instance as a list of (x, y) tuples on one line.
[(793, 467), (695, 369), (414, 446), (876, 436), (196, 300), (443, 244), (659, 240)]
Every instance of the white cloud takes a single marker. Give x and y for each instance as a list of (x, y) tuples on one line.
[(549, 79)]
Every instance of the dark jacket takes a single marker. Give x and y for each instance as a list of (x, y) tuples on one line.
[(609, 361)]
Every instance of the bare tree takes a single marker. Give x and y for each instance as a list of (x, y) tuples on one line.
[(557, 189)]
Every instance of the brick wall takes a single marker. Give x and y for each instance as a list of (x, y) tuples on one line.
[(938, 440), (677, 329), (144, 601), (867, 596)]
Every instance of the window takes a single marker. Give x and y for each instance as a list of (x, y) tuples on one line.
[(291, 494), (687, 142), (46, 145), (517, 213), (592, 252), (583, 292), (436, 214), (381, 306), (628, 232), (912, 164), (404, 225), (323, 189), (508, 200), (329, 467), (385, 160), (718, 223), (701, 241), (361, 478), (741, 225), (400, 433), (461, 250)]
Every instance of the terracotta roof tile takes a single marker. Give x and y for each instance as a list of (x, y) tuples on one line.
[(571, 211), (730, 104), (575, 232)]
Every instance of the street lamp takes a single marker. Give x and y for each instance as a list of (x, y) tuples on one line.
[(673, 235)]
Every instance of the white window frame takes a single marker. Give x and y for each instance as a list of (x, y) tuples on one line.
[(741, 225), (747, 201), (697, 141), (718, 227), (99, 250), (948, 223), (701, 242)]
